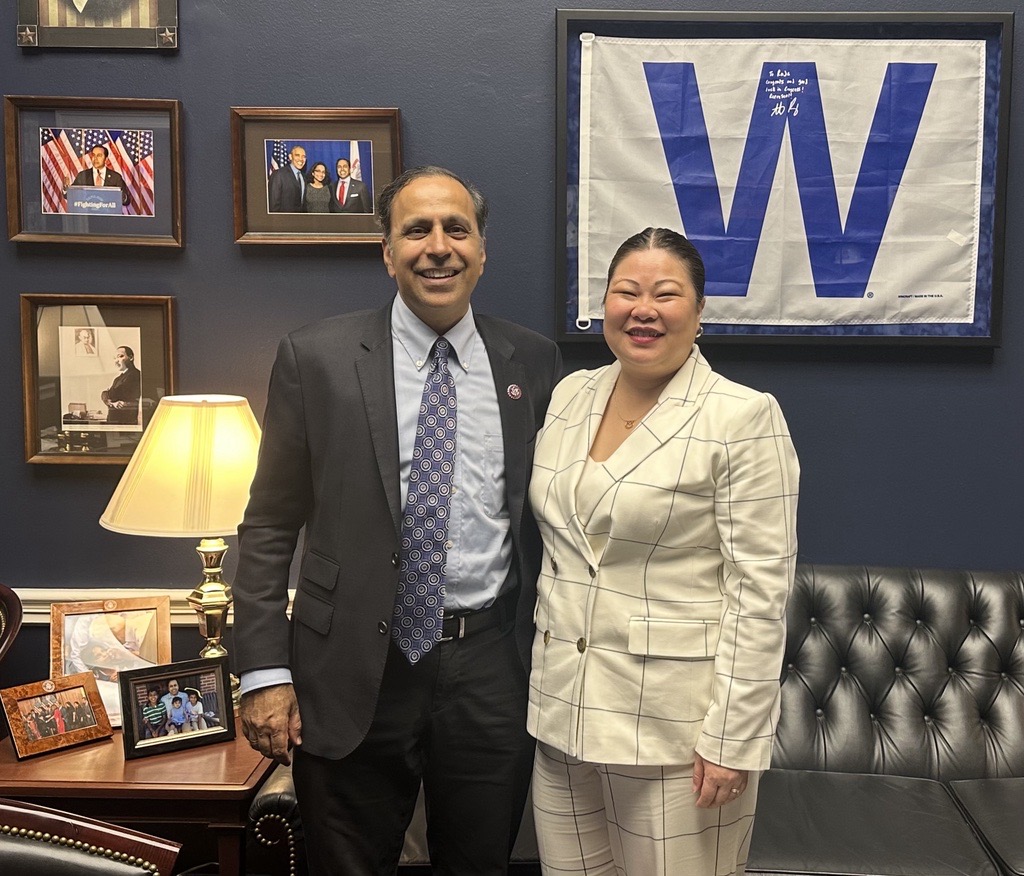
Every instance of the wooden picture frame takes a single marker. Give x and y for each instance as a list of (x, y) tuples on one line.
[(273, 206), (204, 715), (98, 24), (52, 193), (75, 397), (106, 638), (843, 174), (49, 715)]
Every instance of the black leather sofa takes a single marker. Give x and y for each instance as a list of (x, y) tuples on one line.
[(900, 748)]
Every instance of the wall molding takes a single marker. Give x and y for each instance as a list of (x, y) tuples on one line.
[(36, 601)]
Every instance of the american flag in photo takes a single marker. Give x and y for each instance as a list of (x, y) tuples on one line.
[(278, 156), (60, 159), (134, 157)]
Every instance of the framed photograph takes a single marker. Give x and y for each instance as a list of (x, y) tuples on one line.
[(843, 175), (49, 715), (93, 170), (93, 369), (309, 175), (181, 705), (105, 638), (98, 24)]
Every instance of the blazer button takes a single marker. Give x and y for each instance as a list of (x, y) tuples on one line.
[(395, 561), (382, 628), (547, 636), (581, 644)]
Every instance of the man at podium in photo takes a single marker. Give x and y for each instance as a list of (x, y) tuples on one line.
[(98, 175)]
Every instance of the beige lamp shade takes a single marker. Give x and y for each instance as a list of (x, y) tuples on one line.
[(191, 472)]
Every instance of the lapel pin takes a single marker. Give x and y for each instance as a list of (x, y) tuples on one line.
[(514, 392)]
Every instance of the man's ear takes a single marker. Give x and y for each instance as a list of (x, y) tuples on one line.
[(386, 251)]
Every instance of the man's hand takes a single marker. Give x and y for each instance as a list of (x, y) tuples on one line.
[(715, 785), (271, 722)]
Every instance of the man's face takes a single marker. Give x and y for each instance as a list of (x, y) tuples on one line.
[(172, 687), (98, 157), (298, 157), (436, 253), (121, 359), (343, 169)]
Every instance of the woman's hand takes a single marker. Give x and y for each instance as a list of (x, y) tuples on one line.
[(716, 785)]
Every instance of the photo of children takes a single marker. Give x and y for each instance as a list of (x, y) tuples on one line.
[(173, 705)]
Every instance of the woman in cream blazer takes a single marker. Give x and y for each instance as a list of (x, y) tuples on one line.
[(666, 497)]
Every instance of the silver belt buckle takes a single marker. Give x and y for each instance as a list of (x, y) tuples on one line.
[(461, 634)]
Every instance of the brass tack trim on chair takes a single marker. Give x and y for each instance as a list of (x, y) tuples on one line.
[(273, 816), (78, 844)]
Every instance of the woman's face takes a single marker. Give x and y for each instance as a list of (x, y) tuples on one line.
[(319, 173), (651, 314)]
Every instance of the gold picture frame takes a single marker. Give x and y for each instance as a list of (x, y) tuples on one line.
[(106, 637)]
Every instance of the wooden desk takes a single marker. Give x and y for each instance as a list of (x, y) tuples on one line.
[(210, 786)]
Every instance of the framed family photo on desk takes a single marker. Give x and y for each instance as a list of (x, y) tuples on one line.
[(50, 715), (180, 705), (106, 638)]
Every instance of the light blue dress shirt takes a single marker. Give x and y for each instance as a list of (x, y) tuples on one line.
[(479, 534)]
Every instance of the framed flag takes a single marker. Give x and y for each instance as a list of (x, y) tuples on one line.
[(307, 175), (93, 170), (843, 175), (98, 24)]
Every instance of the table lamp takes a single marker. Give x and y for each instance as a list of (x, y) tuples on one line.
[(190, 477)]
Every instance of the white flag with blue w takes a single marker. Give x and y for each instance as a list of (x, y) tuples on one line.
[(824, 181)]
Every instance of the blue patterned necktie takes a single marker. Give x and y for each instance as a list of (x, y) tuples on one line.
[(419, 607)]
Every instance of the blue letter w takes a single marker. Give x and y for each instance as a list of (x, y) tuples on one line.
[(841, 260)]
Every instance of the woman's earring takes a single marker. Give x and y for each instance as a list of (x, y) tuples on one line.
[(700, 330)]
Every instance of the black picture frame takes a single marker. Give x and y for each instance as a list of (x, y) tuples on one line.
[(378, 132), (209, 678), (129, 24), (69, 431), (979, 327), (46, 140)]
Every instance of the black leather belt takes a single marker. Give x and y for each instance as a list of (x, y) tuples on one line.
[(468, 623)]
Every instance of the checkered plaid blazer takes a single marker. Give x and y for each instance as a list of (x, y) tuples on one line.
[(671, 639)]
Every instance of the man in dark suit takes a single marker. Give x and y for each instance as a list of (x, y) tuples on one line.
[(98, 175), (350, 402), (287, 184), (349, 195)]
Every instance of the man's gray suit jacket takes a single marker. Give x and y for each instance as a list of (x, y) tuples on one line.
[(329, 462)]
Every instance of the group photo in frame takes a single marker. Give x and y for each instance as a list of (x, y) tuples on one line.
[(57, 713), (176, 706), (106, 638), (843, 175), (311, 175), (93, 170), (98, 24), (94, 368)]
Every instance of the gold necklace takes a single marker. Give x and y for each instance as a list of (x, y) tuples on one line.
[(629, 424)]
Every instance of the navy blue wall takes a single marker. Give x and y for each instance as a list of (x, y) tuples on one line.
[(909, 457)]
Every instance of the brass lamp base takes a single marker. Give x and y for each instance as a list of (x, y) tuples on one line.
[(211, 600)]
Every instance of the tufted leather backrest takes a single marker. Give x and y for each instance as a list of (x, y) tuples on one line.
[(904, 672)]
